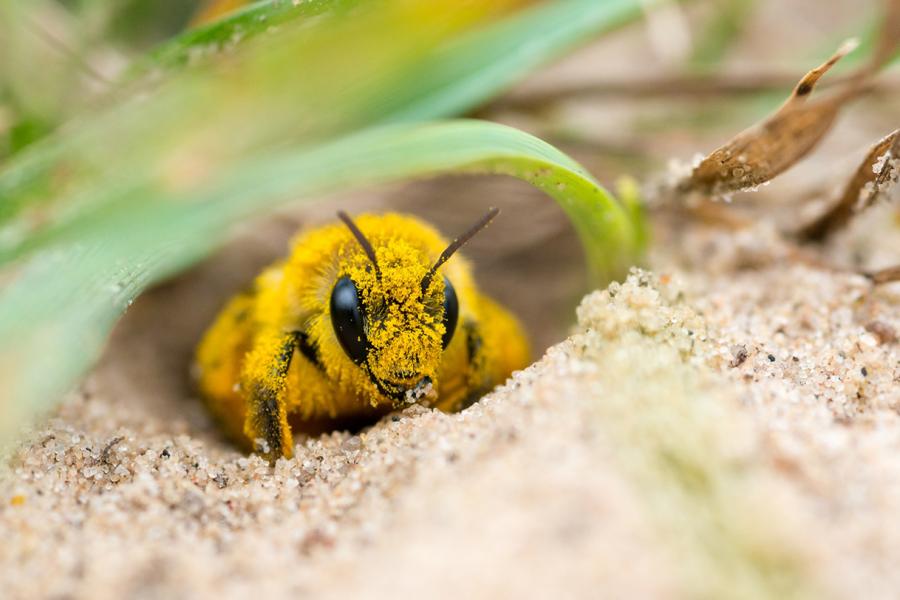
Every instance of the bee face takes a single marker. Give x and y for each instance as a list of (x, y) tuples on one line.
[(393, 322)]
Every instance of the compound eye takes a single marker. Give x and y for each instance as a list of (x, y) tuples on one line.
[(347, 320), (451, 312)]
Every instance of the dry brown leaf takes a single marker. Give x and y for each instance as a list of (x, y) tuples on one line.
[(758, 154), (875, 175)]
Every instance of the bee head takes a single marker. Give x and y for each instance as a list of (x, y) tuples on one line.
[(394, 312)]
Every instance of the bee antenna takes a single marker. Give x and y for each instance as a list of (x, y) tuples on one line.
[(366, 246), (458, 243)]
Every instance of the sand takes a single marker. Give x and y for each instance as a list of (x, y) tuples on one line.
[(724, 425)]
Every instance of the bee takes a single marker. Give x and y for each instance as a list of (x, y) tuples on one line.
[(360, 319)]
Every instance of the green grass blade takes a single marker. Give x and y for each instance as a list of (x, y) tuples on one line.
[(252, 20), (495, 57), (59, 304)]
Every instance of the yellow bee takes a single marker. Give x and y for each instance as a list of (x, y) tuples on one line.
[(360, 319)]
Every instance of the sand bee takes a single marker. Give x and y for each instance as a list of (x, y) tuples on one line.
[(361, 318)]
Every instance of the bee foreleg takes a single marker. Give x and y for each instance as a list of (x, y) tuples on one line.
[(264, 381)]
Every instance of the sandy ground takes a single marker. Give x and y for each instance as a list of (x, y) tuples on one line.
[(726, 427), (723, 425)]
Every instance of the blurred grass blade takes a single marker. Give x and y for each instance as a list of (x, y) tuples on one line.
[(211, 37), (310, 83), (62, 301), (477, 67), (520, 43), (464, 74), (395, 64)]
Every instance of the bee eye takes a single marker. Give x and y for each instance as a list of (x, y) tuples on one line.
[(347, 320), (451, 312)]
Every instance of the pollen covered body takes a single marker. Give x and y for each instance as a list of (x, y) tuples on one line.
[(351, 325)]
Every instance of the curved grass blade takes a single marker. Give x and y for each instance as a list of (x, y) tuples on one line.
[(60, 303)]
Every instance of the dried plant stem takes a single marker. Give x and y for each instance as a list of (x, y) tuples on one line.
[(882, 276), (873, 175), (716, 213), (678, 86)]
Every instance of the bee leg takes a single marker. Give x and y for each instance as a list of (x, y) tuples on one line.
[(264, 381), (477, 378)]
